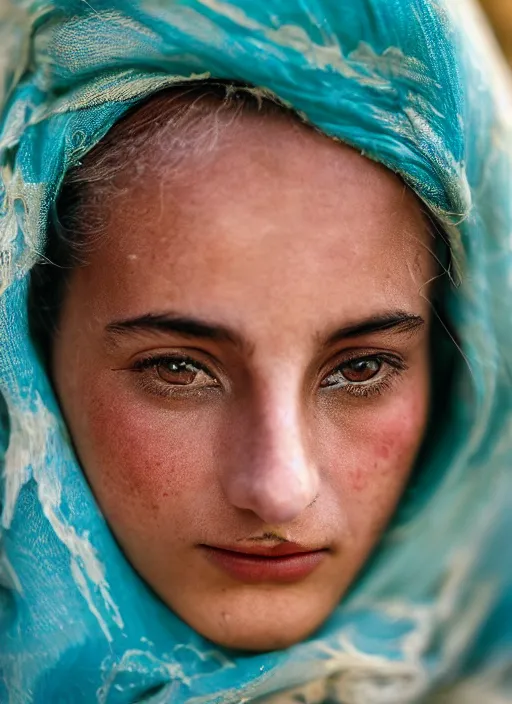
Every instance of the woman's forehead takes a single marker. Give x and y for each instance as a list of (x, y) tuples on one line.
[(262, 178), (280, 221)]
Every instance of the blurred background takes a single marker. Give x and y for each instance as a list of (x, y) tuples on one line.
[(500, 14)]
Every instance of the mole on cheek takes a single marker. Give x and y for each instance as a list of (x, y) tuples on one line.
[(358, 479), (384, 449)]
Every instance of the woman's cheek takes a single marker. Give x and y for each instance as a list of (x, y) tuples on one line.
[(140, 456), (376, 448)]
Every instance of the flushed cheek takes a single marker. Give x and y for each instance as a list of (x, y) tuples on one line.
[(373, 455), (140, 458)]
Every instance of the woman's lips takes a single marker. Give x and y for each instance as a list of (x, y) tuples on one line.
[(286, 562)]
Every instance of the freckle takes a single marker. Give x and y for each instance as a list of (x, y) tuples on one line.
[(384, 450), (225, 616), (358, 479)]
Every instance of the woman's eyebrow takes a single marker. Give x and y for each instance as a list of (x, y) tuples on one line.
[(394, 321), (174, 324)]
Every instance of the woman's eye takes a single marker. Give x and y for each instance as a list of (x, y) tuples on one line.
[(178, 371), (356, 371)]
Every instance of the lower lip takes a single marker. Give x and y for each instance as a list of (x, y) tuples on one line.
[(262, 568)]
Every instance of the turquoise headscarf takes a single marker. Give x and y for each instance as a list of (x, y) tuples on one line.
[(414, 84)]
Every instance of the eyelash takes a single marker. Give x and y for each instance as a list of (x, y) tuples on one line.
[(148, 367), (374, 386)]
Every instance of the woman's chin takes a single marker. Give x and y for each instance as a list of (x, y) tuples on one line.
[(258, 622), (257, 636)]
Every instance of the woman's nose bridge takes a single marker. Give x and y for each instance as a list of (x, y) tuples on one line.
[(275, 476)]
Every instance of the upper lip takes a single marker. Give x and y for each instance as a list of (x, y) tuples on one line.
[(277, 550)]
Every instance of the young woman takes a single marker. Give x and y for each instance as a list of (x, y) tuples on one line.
[(254, 363)]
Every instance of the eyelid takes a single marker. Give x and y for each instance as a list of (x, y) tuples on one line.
[(346, 382), (196, 354), (153, 360), (355, 354), (147, 368), (373, 386)]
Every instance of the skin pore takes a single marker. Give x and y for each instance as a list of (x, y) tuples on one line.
[(244, 361)]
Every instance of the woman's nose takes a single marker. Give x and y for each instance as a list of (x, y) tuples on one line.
[(272, 473)]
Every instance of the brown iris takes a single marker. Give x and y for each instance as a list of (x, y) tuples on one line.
[(179, 372), (355, 371), (360, 370)]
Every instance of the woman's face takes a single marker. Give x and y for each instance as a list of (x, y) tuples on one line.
[(243, 365)]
